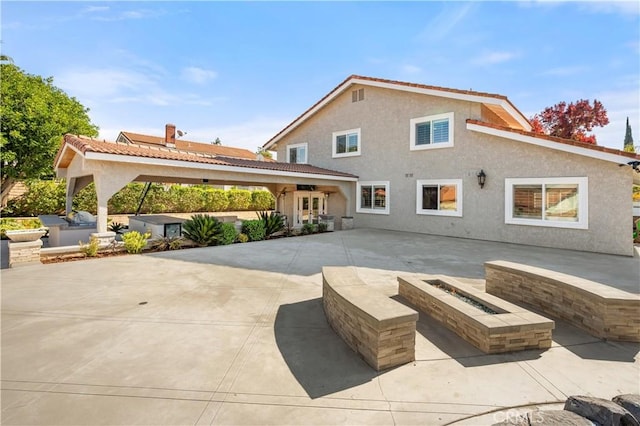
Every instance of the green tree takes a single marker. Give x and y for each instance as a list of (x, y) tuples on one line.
[(35, 115), (628, 139), (217, 142)]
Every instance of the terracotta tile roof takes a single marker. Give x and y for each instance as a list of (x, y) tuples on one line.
[(181, 144), (397, 83), (556, 139), (87, 145)]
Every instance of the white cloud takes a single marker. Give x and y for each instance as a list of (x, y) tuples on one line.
[(95, 9), (564, 71), (623, 7), (442, 25), (492, 58), (117, 85), (197, 75), (411, 69)]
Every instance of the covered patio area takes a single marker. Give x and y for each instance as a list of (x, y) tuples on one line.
[(112, 165)]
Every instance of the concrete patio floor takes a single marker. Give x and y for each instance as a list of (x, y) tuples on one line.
[(237, 335)]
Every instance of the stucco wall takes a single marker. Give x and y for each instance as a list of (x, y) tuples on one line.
[(383, 117)]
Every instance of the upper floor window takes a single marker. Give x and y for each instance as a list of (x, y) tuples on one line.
[(373, 197), (439, 197), (297, 153), (346, 143), (555, 202), (433, 131)]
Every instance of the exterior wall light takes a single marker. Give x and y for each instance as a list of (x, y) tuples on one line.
[(482, 177)]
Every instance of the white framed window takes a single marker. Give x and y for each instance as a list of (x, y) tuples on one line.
[(433, 131), (439, 197), (346, 143), (373, 197), (297, 153), (560, 202)]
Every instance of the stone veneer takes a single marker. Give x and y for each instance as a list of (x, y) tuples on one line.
[(24, 252), (512, 328), (378, 328), (601, 310)]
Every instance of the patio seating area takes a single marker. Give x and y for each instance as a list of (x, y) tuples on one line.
[(238, 335)]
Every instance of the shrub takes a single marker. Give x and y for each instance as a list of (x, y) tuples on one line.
[(7, 224), (167, 243), (134, 241), (272, 221), (42, 197), (228, 234), (202, 229), (308, 228), (254, 229), (322, 227), (242, 238), (116, 227), (86, 199), (239, 199), (215, 200), (184, 199), (90, 249), (262, 200), (126, 200)]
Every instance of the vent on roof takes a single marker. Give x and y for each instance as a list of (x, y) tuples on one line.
[(357, 95)]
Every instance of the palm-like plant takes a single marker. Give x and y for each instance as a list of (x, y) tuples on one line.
[(273, 222), (202, 229)]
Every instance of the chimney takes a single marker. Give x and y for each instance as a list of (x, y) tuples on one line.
[(170, 135)]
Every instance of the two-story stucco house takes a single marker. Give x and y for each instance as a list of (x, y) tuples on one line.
[(418, 151)]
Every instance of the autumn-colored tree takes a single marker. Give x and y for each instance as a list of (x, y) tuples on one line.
[(571, 121)]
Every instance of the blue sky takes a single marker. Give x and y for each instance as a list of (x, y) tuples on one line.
[(241, 71)]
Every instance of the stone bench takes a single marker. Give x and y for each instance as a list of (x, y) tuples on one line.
[(602, 311), (378, 328), (496, 327)]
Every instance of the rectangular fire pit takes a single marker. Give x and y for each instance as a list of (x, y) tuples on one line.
[(489, 323)]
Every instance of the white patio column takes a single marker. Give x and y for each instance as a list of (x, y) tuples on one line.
[(68, 205), (108, 184)]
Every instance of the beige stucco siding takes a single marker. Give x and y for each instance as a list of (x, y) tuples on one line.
[(383, 117)]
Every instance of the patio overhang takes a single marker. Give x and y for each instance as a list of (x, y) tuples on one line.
[(112, 165)]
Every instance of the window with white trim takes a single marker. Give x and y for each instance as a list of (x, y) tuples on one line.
[(346, 143), (556, 202), (433, 131), (373, 197), (297, 153), (439, 197)]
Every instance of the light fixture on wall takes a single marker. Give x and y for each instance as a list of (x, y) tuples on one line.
[(482, 177)]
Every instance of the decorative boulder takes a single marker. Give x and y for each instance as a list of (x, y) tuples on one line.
[(550, 418), (600, 410), (629, 402)]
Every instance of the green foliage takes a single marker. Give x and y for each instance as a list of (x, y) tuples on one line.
[(242, 238), (228, 234), (322, 227), (134, 241), (48, 197), (166, 243), (628, 139), (215, 200), (42, 197), (308, 228), (202, 229), (254, 229), (185, 199), (90, 249), (7, 224), (272, 221), (239, 199), (35, 115), (116, 227), (262, 200)]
